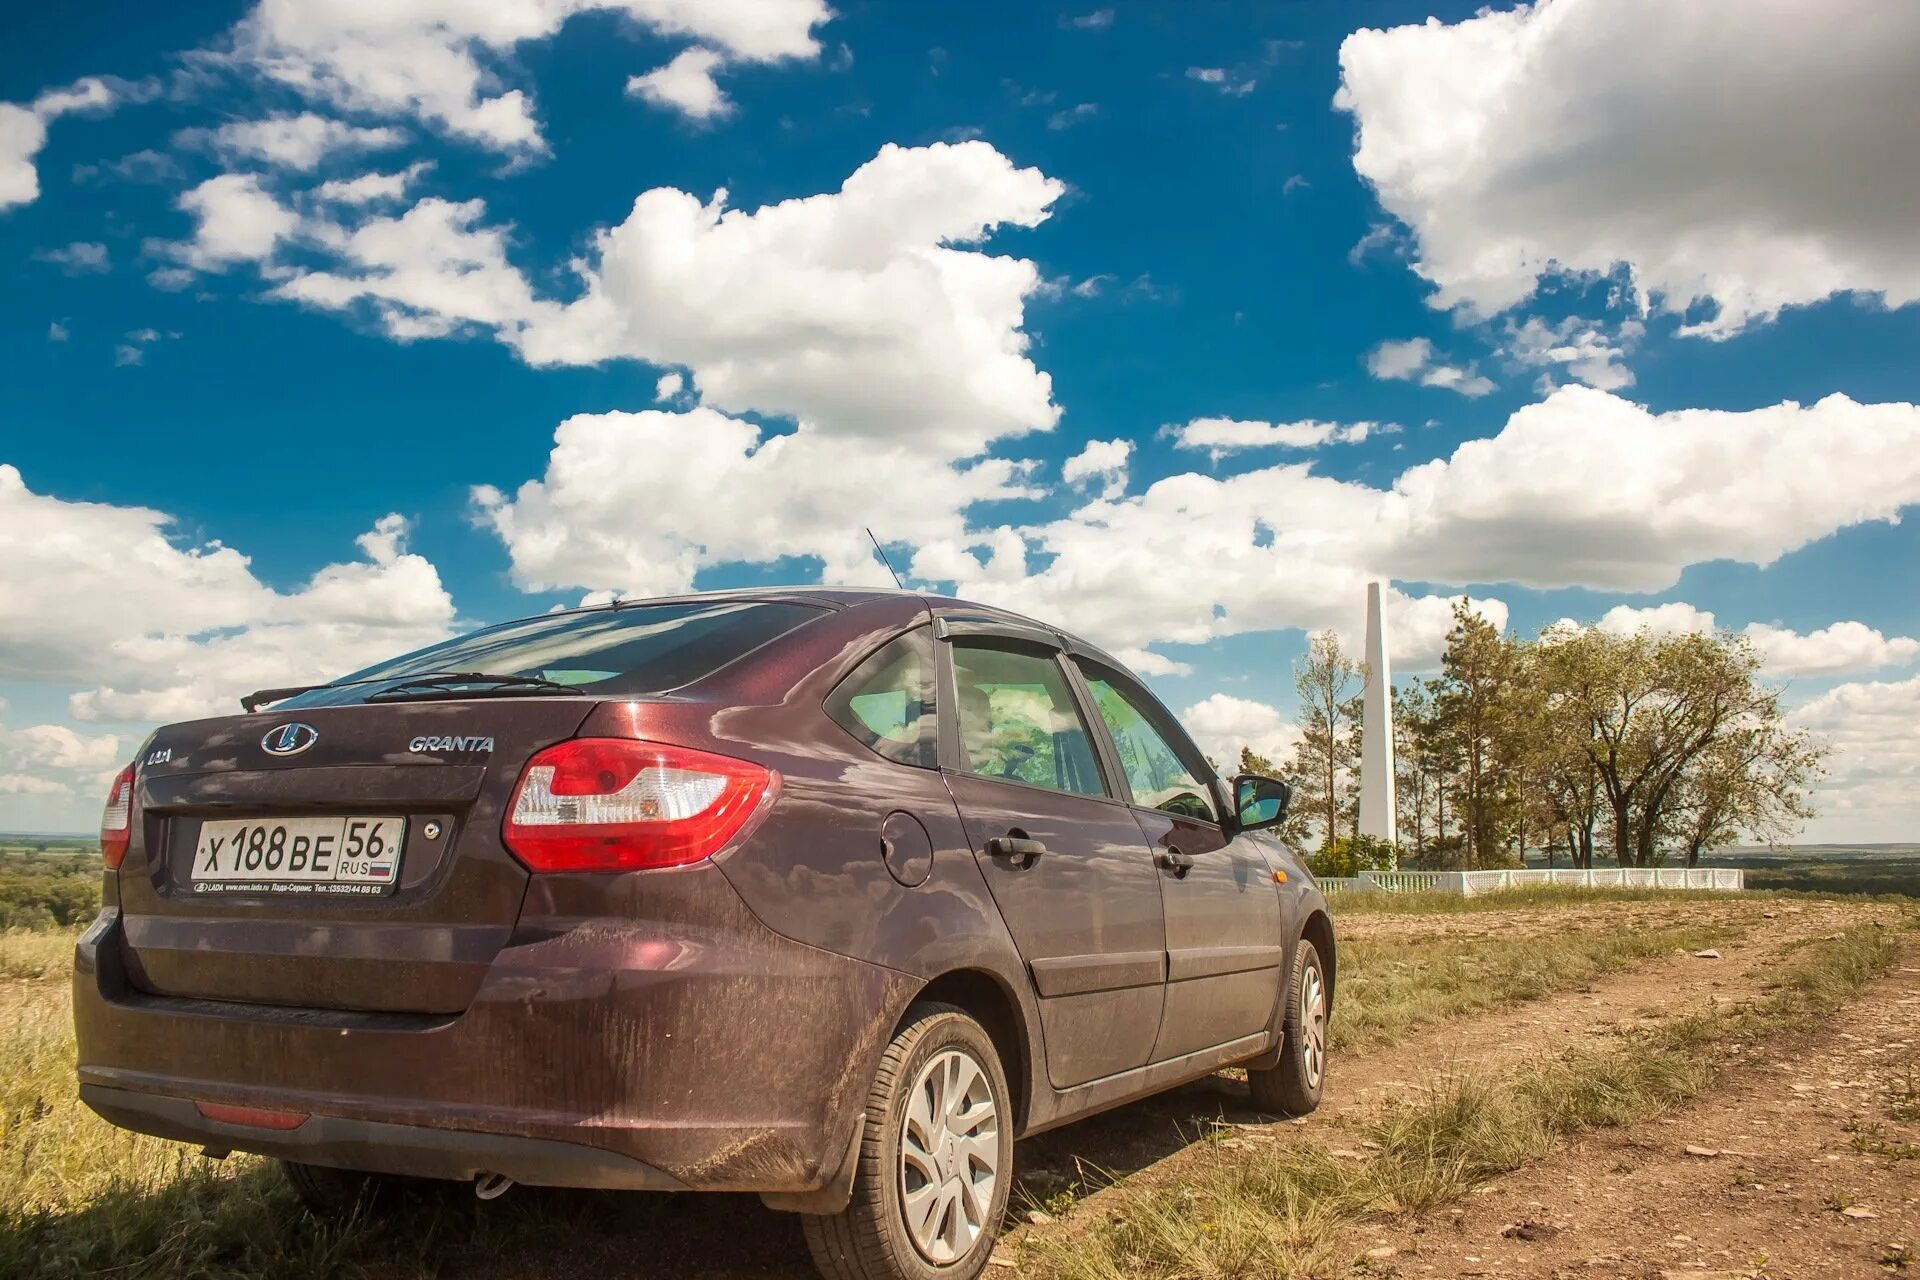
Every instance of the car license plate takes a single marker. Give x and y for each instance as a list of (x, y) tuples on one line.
[(353, 855)]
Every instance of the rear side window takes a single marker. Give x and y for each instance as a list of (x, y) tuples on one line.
[(1018, 720), (887, 701), (634, 649)]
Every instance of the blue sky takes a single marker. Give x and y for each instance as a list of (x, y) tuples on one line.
[(1636, 283)]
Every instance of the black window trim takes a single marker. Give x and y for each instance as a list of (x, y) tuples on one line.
[(998, 635)]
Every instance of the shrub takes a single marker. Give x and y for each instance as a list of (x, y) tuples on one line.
[(1350, 855)]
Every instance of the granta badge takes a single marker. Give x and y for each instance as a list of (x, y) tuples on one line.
[(289, 739), (458, 743)]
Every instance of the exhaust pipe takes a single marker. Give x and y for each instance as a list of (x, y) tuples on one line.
[(491, 1186)]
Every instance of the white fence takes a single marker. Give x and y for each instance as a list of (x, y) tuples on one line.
[(1469, 883)]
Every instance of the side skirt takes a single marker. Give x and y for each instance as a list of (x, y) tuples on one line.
[(1054, 1108)]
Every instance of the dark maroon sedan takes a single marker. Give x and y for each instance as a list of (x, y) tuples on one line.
[(827, 895)]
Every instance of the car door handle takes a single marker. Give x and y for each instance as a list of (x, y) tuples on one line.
[(1175, 861), (1013, 846)]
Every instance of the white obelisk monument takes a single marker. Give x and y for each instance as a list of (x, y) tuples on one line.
[(1378, 817)]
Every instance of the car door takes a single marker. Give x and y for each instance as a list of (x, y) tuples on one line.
[(1061, 853), (1223, 913)]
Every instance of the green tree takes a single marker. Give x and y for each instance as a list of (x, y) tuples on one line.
[(1416, 784), (1685, 742), (1477, 721), (1557, 791), (1322, 768), (1754, 779)]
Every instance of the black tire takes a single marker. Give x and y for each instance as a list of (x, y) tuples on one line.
[(1293, 1086), (870, 1239), (340, 1193)]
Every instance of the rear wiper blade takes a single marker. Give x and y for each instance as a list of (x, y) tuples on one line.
[(430, 680), (261, 697), (466, 684)]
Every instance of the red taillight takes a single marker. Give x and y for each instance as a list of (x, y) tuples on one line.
[(116, 820), (614, 804)]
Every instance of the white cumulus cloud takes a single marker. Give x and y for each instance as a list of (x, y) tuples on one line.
[(1672, 619), (103, 596), (54, 769), (1221, 436), (1874, 768), (298, 142), (1754, 154), (236, 220), (1284, 546), (717, 490), (1222, 724), (1841, 648), (23, 130), (443, 63), (1102, 461), (1582, 350), (1414, 360), (686, 85), (866, 311), (372, 188)]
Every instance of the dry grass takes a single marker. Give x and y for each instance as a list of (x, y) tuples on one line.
[(81, 1197), (28, 954), (1276, 1210)]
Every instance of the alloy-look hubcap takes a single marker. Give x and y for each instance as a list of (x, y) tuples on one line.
[(1313, 1026), (949, 1156)]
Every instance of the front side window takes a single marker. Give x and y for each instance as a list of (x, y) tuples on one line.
[(632, 649), (1018, 719), (1154, 771), (887, 701)]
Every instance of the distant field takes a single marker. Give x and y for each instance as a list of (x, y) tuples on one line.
[(1817, 868), (48, 881), (1828, 868)]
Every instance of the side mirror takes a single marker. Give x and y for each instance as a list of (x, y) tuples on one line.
[(1260, 802)]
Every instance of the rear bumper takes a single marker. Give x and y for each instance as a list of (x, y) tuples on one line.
[(680, 1044), (377, 1147)]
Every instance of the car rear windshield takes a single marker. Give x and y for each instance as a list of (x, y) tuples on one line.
[(632, 649)]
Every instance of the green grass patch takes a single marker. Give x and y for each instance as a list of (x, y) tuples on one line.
[(1386, 989), (1375, 902)]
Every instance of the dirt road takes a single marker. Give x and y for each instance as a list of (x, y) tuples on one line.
[(1808, 1166), (1154, 1141)]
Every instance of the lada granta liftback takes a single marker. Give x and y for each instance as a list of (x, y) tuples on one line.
[(826, 895)]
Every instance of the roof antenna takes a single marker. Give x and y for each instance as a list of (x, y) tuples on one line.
[(882, 553)]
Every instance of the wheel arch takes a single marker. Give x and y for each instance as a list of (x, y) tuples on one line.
[(1318, 930), (987, 1000)]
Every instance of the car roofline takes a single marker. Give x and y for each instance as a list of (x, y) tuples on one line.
[(839, 598)]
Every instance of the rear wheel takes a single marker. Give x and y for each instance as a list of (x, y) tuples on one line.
[(1292, 1087), (334, 1193), (935, 1162)]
